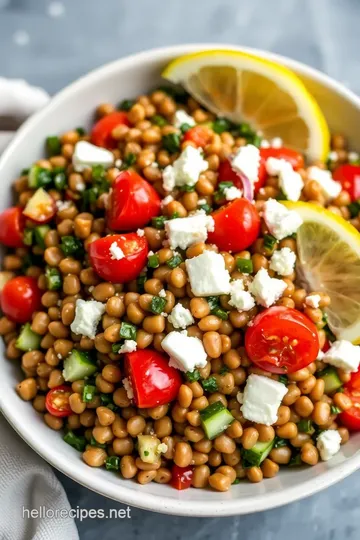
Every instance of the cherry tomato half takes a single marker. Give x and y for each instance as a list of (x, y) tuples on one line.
[(349, 178), (351, 417), (199, 135), (228, 174), (20, 297), (292, 156), (237, 226), (134, 248), (12, 224), (282, 340), (101, 132), (132, 202), (57, 401), (154, 382), (181, 477), (40, 207)]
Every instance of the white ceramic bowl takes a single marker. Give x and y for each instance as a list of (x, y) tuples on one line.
[(73, 107)]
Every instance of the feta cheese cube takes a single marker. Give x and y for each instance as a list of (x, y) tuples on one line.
[(116, 252), (280, 221), (128, 387), (313, 300), (140, 232), (320, 355), (86, 155), (283, 261), (262, 399), (330, 188), (247, 161), (328, 443), (183, 232), (353, 156), (186, 170), (334, 156), (180, 317), (266, 290), (264, 144), (290, 182), (186, 353), (182, 117), (162, 293), (208, 275), (87, 316), (239, 298), (277, 142), (162, 448), (344, 355), (232, 193), (129, 345)]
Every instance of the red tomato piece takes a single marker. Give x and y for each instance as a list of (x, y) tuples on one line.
[(20, 297), (237, 226), (292, 156), (12, 224), (181, 477), (351, 417), (349, 178), (57, 401), (154, 382), (132, 202), (199, 135), (40, 207), (134, 248), (282, 340), (101, 132), (228, 174)]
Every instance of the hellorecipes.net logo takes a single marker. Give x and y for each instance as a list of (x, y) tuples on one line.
[(43, 512)]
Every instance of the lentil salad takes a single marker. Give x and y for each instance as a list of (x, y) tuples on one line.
[(107, 414)]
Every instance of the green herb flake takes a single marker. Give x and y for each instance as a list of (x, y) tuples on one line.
[(295, 460), (126, 104), (146, 452), (175, 261), (335, 410), (245, 266), (53, 279), (283, 379), (187, 189), (158, 222), (159, 120), (280, 442), (185, 127), (157, 305), (224, 370), (112, 463), (305, 426), (70, 245), (76, 441), (210, 385), (236, 481), (171, 142), (59, 180), (24, 172), (206, 207), (221, 313), (220, 125), (128, 331), (269, 241), (140, 283), (354, 209), (128, 161), (153, 261), (53, 145), (98, 172), (28, 237), (221, 187), (89, 392), (80, 131), (192, 376), (93, 442)]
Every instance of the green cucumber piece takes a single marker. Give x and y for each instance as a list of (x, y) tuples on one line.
[(331, 379), (78, 365), (40, 233), (39, 177), (256, 455), (215, 419), (28, 340), (76, 441)]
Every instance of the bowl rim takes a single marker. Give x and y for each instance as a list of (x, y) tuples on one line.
[(147, 501)]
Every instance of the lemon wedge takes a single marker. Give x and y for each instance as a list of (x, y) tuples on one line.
[(246, 88), (329, 261)]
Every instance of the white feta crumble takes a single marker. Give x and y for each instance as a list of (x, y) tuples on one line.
[(129, 345), (118, 163), (180, 317), (59, 356), (186, 352), (87, 155), (116, 252), (240, 397), (162, 293), (313, 300), (232, 193), (128, 388), (277, 142), (262, 399), (247, 161), (185, 171), (87, 316), (264, 144), (182, 117), (167, 200), (202, 201), (343, 355), (333, 156), (283, 261), (208, 275), (280, 221), (266, 290), (328, 443), (320, 355), (150, 253), (140, 232), (330, 187), (353, 156), (63, 205), (239, 298), (162, 448), (184, 232), (290, 182)]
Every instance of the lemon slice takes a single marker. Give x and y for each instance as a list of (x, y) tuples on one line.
[(329, 261), (247, 88)]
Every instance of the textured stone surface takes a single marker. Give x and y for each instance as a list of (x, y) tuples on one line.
[(51, 43)]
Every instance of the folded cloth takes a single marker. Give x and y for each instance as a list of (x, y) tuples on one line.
[(27, 483)]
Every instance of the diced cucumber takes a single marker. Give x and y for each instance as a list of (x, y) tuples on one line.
[(256, 455), (78, 365), (40, 233), (76, 441), (39, 177), (331, 379), (147, 448), (215, 419), (28, 340), (53, 278)]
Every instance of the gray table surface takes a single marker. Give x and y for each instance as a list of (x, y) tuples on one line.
[(51, 43)]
